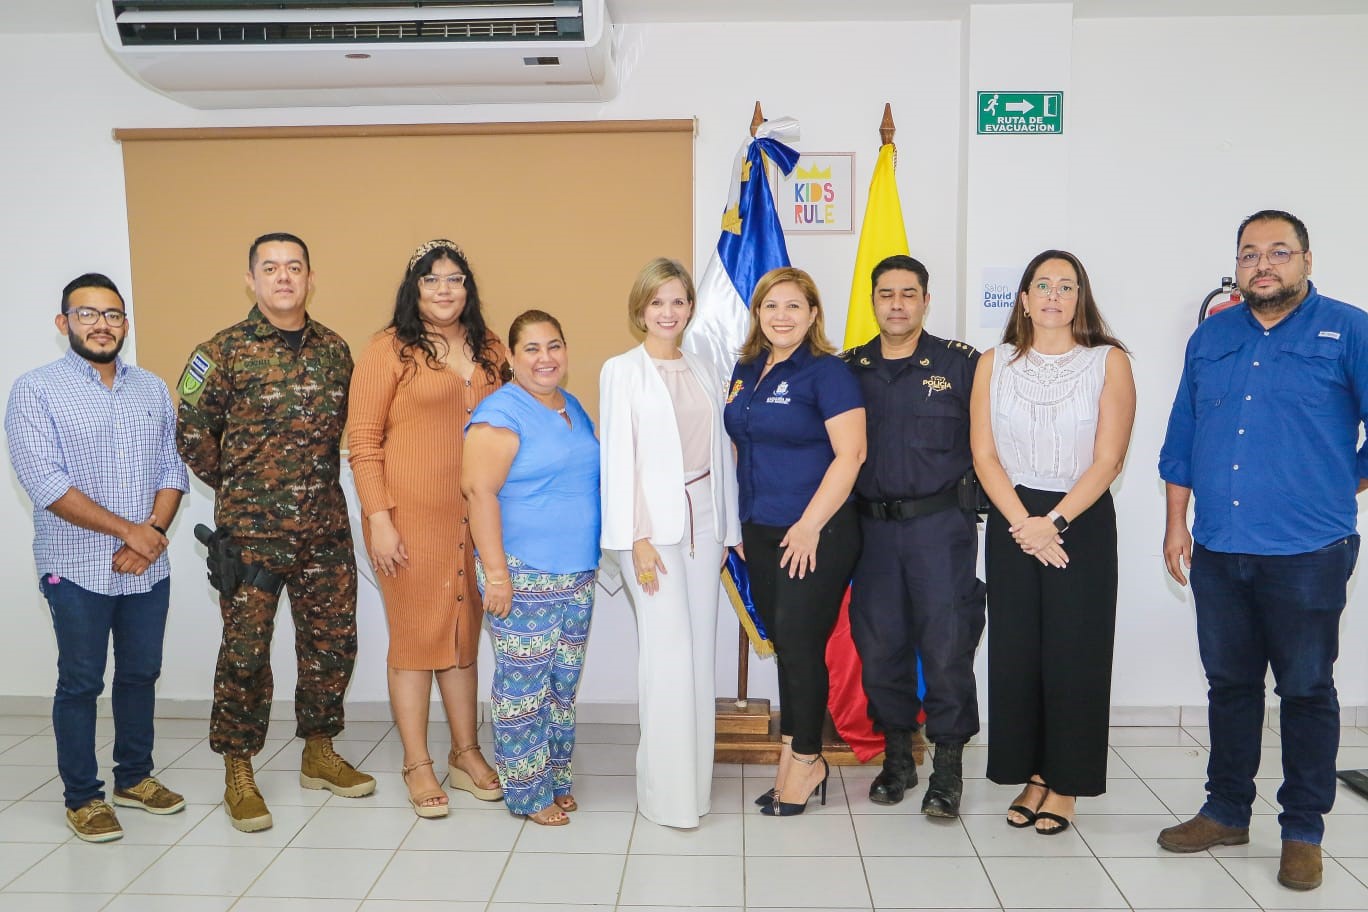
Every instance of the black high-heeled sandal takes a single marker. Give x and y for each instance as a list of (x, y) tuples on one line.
[(769, 796), (780, 808), (1028, 814)]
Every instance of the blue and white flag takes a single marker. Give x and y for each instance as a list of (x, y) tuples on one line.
[(751, 244)]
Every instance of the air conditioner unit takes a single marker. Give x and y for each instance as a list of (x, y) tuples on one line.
[(300, 53)]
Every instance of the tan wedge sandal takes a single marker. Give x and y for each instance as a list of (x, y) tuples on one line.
[(460, 779), (420, 801)]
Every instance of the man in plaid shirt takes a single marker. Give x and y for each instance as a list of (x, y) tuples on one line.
[(93, 443)]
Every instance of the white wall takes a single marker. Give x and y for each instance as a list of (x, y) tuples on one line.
[(61, 179), (1170, 141), (1183, 127)]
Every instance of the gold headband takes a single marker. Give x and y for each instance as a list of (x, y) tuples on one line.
[(430, 246)]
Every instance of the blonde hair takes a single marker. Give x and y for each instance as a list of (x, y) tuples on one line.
[(756, 344), (653, 275)]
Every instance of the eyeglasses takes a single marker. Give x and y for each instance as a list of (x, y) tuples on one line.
[(1278, 256), (1063, 290), (433, 282), (89, 316)]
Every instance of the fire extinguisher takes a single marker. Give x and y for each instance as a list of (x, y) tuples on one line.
[(1227, 288)]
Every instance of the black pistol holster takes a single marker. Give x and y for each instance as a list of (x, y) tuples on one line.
[(226, 568), (971, 496)]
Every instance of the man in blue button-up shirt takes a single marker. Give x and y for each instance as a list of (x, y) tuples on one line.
[(93, 442), (1264, 432)]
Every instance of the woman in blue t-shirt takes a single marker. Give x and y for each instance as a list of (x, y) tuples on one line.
[(531, 475), (797, 418)]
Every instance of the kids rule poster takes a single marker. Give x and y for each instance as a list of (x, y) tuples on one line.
[(817, 196)]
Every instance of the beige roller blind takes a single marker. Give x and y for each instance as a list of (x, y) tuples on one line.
[(557, 216)]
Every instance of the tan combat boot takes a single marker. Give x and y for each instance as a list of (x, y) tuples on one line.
[(242, 799), (322, 768)]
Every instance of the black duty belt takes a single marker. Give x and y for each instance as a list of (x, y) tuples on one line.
[(906, 509)]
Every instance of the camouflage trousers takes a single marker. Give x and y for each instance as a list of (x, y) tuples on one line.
[(320, 580)]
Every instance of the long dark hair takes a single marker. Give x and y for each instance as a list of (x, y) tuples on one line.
[(407, 323), (1088, 327)]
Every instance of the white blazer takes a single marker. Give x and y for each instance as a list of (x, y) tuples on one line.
[(639, 441)]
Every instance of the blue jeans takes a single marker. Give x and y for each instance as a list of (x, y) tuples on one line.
[(83, 622), (1256, 611)]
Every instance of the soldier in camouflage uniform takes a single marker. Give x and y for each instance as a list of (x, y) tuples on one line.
[(262, 408)]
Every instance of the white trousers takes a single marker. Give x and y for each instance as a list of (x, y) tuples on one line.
[(677, 633)]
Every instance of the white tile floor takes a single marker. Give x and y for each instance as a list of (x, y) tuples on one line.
[(329, 854)]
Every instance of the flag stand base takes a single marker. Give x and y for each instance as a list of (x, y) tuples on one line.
[(750, 734)]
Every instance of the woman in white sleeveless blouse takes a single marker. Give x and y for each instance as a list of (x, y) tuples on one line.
[(1051, 417)]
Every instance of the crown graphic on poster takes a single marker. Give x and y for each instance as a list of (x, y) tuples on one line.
[(813, 173)]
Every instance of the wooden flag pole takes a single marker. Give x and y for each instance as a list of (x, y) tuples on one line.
[(886, 127), (743, 641)]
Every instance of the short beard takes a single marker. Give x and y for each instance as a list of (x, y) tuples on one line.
[(1276, 301), (94, 357)]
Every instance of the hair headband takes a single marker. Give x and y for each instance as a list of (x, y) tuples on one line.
[(430, 246)]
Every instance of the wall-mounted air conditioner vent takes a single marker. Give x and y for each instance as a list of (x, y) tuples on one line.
[(252, 53), (141, 22)]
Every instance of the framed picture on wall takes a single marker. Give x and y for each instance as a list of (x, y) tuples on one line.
[(817, 197)]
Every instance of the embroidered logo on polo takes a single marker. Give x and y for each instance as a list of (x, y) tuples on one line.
[(736, 388), (780, 396)]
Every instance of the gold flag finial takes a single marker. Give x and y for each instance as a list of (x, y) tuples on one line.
[(757, 119), (886, 127)]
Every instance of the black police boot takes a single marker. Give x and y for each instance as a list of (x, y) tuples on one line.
[(899, 773), (946, 787)]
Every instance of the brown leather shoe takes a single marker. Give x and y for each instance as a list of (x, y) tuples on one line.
[(1300, 868), (94, 821), (1201, 833), (151, 796)]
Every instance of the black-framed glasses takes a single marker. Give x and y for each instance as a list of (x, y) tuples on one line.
[(1278, 256), (433, 282), (89, 316)]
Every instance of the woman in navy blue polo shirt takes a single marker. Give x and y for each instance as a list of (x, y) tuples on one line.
[(797, 418)]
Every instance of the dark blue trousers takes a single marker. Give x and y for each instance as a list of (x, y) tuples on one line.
[(1256, 611), (84, 622), (915, 593)]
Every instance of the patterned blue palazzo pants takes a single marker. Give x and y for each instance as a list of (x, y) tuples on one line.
[(538, 654)]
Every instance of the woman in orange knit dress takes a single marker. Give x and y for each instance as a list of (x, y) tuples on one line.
[(411, 393)]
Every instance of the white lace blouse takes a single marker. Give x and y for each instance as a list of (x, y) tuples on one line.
[(1044, 414)]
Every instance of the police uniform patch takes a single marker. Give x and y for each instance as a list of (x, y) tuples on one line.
[(191, 383), (936, 384)]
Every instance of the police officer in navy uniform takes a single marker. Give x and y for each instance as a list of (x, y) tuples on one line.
[(914, 591)]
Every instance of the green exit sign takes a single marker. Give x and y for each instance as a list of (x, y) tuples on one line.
[(1021, 112)]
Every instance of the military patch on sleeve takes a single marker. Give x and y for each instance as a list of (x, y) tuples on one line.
[(191, 383)]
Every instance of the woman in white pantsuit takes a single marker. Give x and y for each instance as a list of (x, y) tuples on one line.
[(669, 512)]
